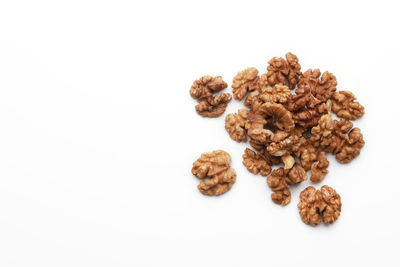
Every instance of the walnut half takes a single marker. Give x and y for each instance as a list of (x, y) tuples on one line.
[(215, 168), (315, 204)]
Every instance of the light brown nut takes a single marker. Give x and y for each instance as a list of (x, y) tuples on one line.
[(245, 81), (281, 117), (256, 129), (310, 116), (277, 181), (321, 134), (294, 70), (288, 160), (280, 70), (210, 105), (213, 106), (352, 147), (291, 144), (344, 105), (277, 94), (214, 166), (256, 162), (280, 180), (307, 154), (319, 167), (321, 87), (235, 125), (315, 204)]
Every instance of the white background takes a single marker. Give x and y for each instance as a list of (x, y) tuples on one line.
[(98, 133)]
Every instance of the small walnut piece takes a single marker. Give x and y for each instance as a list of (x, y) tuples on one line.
[(215, 167), (319, 167), (277, 94), (315, 204), (210, 105), (277, 181), (256, 162), (244, 81), (294, 70), (352, 147), (235, 125), (280, 69), (307, 154), (321, 87), (344, 105)]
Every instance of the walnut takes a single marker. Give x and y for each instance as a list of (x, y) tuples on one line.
[(256, 162), (244, 81), (256, 130), (235, 125), (344, 105), (311, 116), (302, 99), (282, 118), (352, 147), (279, 70), (321, 134), (308, 154), (321, 87), (315, 204), (280, 180), (276, 94), (294, 70), (253, 100), (289, 145), (319, 167), (277, 181), (288, 161), (210, 105), (263, 81), (256, 144), (216, 166)]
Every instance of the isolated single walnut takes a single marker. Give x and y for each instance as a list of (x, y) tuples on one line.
[(256, 162), (307, 154), (215, 167), (344, 105), (277, 94), (235, 125), (319, 167), (245, 81), (210, 105), (321, 87), (277, 181), (315, 204)]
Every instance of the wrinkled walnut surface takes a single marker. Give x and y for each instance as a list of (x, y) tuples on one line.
[(210, 105), (344, 105), (319, 167), (321, 87), (315, 204), (245, 81), (215, 167), (235, 125), (257, 162)]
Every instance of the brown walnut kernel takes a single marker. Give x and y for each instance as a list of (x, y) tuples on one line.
[(256, 162), (210, 105), (321, 87), (280, 180), (216, 166), (280, 70), (344, 105), (245, 81), (319, 167), (235, 125), (277, 94), (315, 204), (307, 154)]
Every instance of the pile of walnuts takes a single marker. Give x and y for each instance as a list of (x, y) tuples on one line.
[(288, 121)]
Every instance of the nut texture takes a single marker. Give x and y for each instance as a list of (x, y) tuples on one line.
[(215, 166), (319, 167), (344, 105), (315, 204), (280, 69), (245, 81), (256, 162), (210, 105), (321, 87), (235, 125)]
